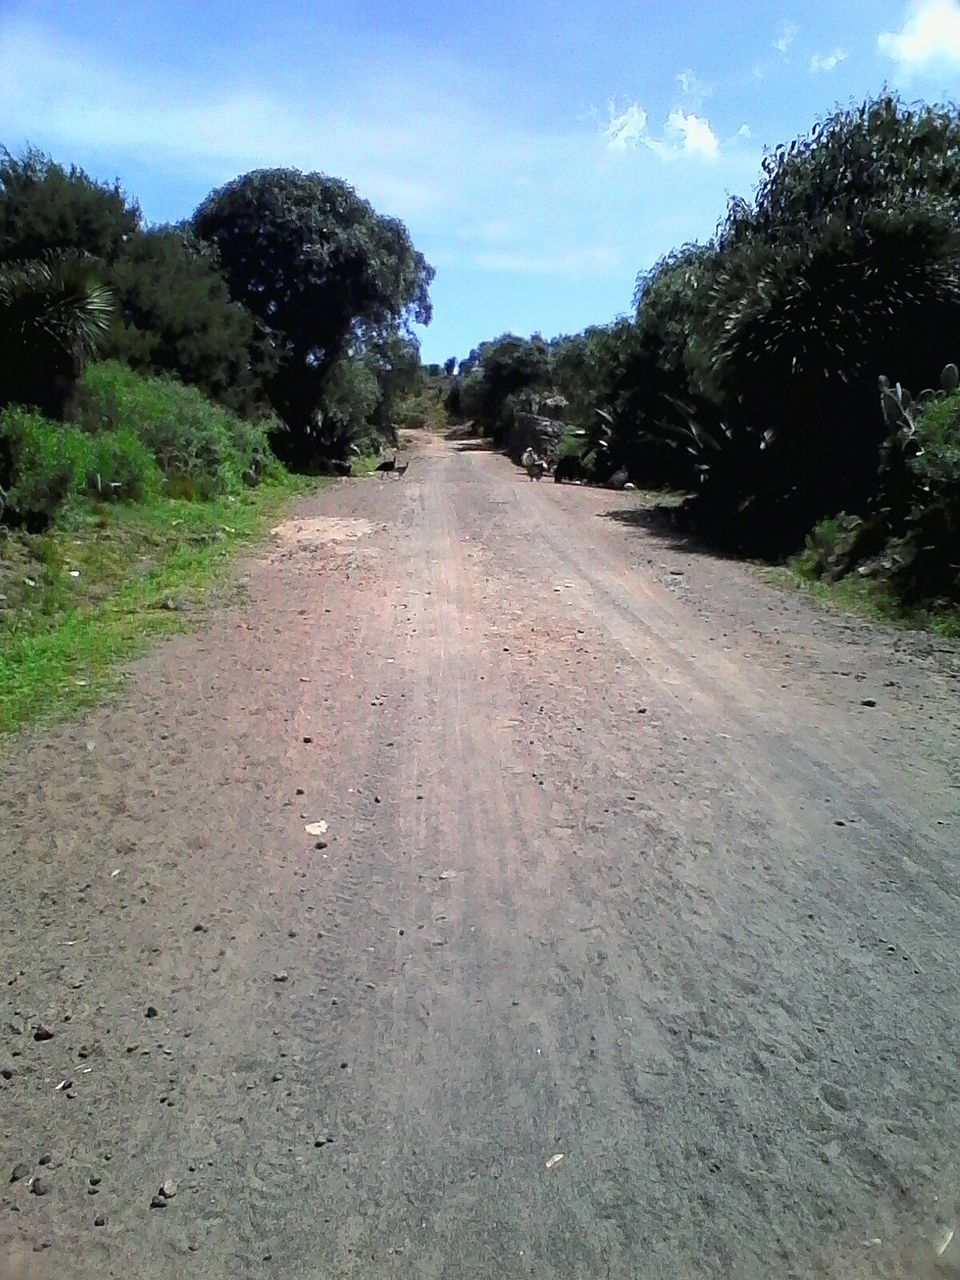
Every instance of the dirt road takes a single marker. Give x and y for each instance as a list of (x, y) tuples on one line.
[(630, 860)]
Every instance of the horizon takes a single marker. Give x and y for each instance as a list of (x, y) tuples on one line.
[(539, 165)]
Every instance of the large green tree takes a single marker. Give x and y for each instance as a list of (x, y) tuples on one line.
[(754, 358), (319, 267)]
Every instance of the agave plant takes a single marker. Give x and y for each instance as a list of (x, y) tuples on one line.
[(54, 316)]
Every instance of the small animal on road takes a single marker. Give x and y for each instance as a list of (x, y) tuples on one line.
[(392, 466)]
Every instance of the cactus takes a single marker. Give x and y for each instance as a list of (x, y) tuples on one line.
[(896, 401)]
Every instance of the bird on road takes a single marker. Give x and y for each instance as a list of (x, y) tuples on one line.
[(392, 465)]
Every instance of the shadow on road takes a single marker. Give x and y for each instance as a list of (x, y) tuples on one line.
[(474, 446), (665, 521)]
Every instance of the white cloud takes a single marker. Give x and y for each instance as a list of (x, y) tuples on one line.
[(788, 33), (626, 128), (827, 61), (684, 133), (477, 192), (692, 134), (929, 38), (744, 131), (55, 91), (692, 87)]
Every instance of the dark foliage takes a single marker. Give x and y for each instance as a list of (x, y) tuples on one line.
[(318, 267), (54, 315), (45, 208), (496, 373), (175, 315)]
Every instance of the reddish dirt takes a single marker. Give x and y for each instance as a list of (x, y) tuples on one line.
[(619, 866)]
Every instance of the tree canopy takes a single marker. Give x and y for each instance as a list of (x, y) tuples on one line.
[(319, 267), (173, 311), (45, 207)]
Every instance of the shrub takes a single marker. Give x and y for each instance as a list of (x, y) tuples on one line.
[(421, 409), (346, 418), (928, 555), (120, 465), (201, 448), (42, 465), (910, 537)]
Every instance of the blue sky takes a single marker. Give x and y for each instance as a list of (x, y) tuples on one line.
[(542, 153)]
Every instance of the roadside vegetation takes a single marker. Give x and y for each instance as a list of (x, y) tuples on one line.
[(163, 390), (768, 372)]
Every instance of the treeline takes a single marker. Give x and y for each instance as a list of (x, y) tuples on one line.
[(749, 373), (274, 321)]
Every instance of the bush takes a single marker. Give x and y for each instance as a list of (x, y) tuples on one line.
[(120, 465), (174, 315), (909, 540), (54, 316), (201, 448), (928, 555), (42, 465), (422, 409)]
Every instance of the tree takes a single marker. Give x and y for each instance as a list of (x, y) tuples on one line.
[(449, 366), (847, 263), (174, 312), (394, 358), (316, 265), (45, 207), (175, 315), (507, 365)]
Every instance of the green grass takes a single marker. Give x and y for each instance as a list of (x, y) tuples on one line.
[(365, 464), (865, 597), (572, 444), (108, 581)]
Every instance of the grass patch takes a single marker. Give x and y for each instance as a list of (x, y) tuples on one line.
[(573, 443), (105, 582), (866, 597), (365, 464)]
